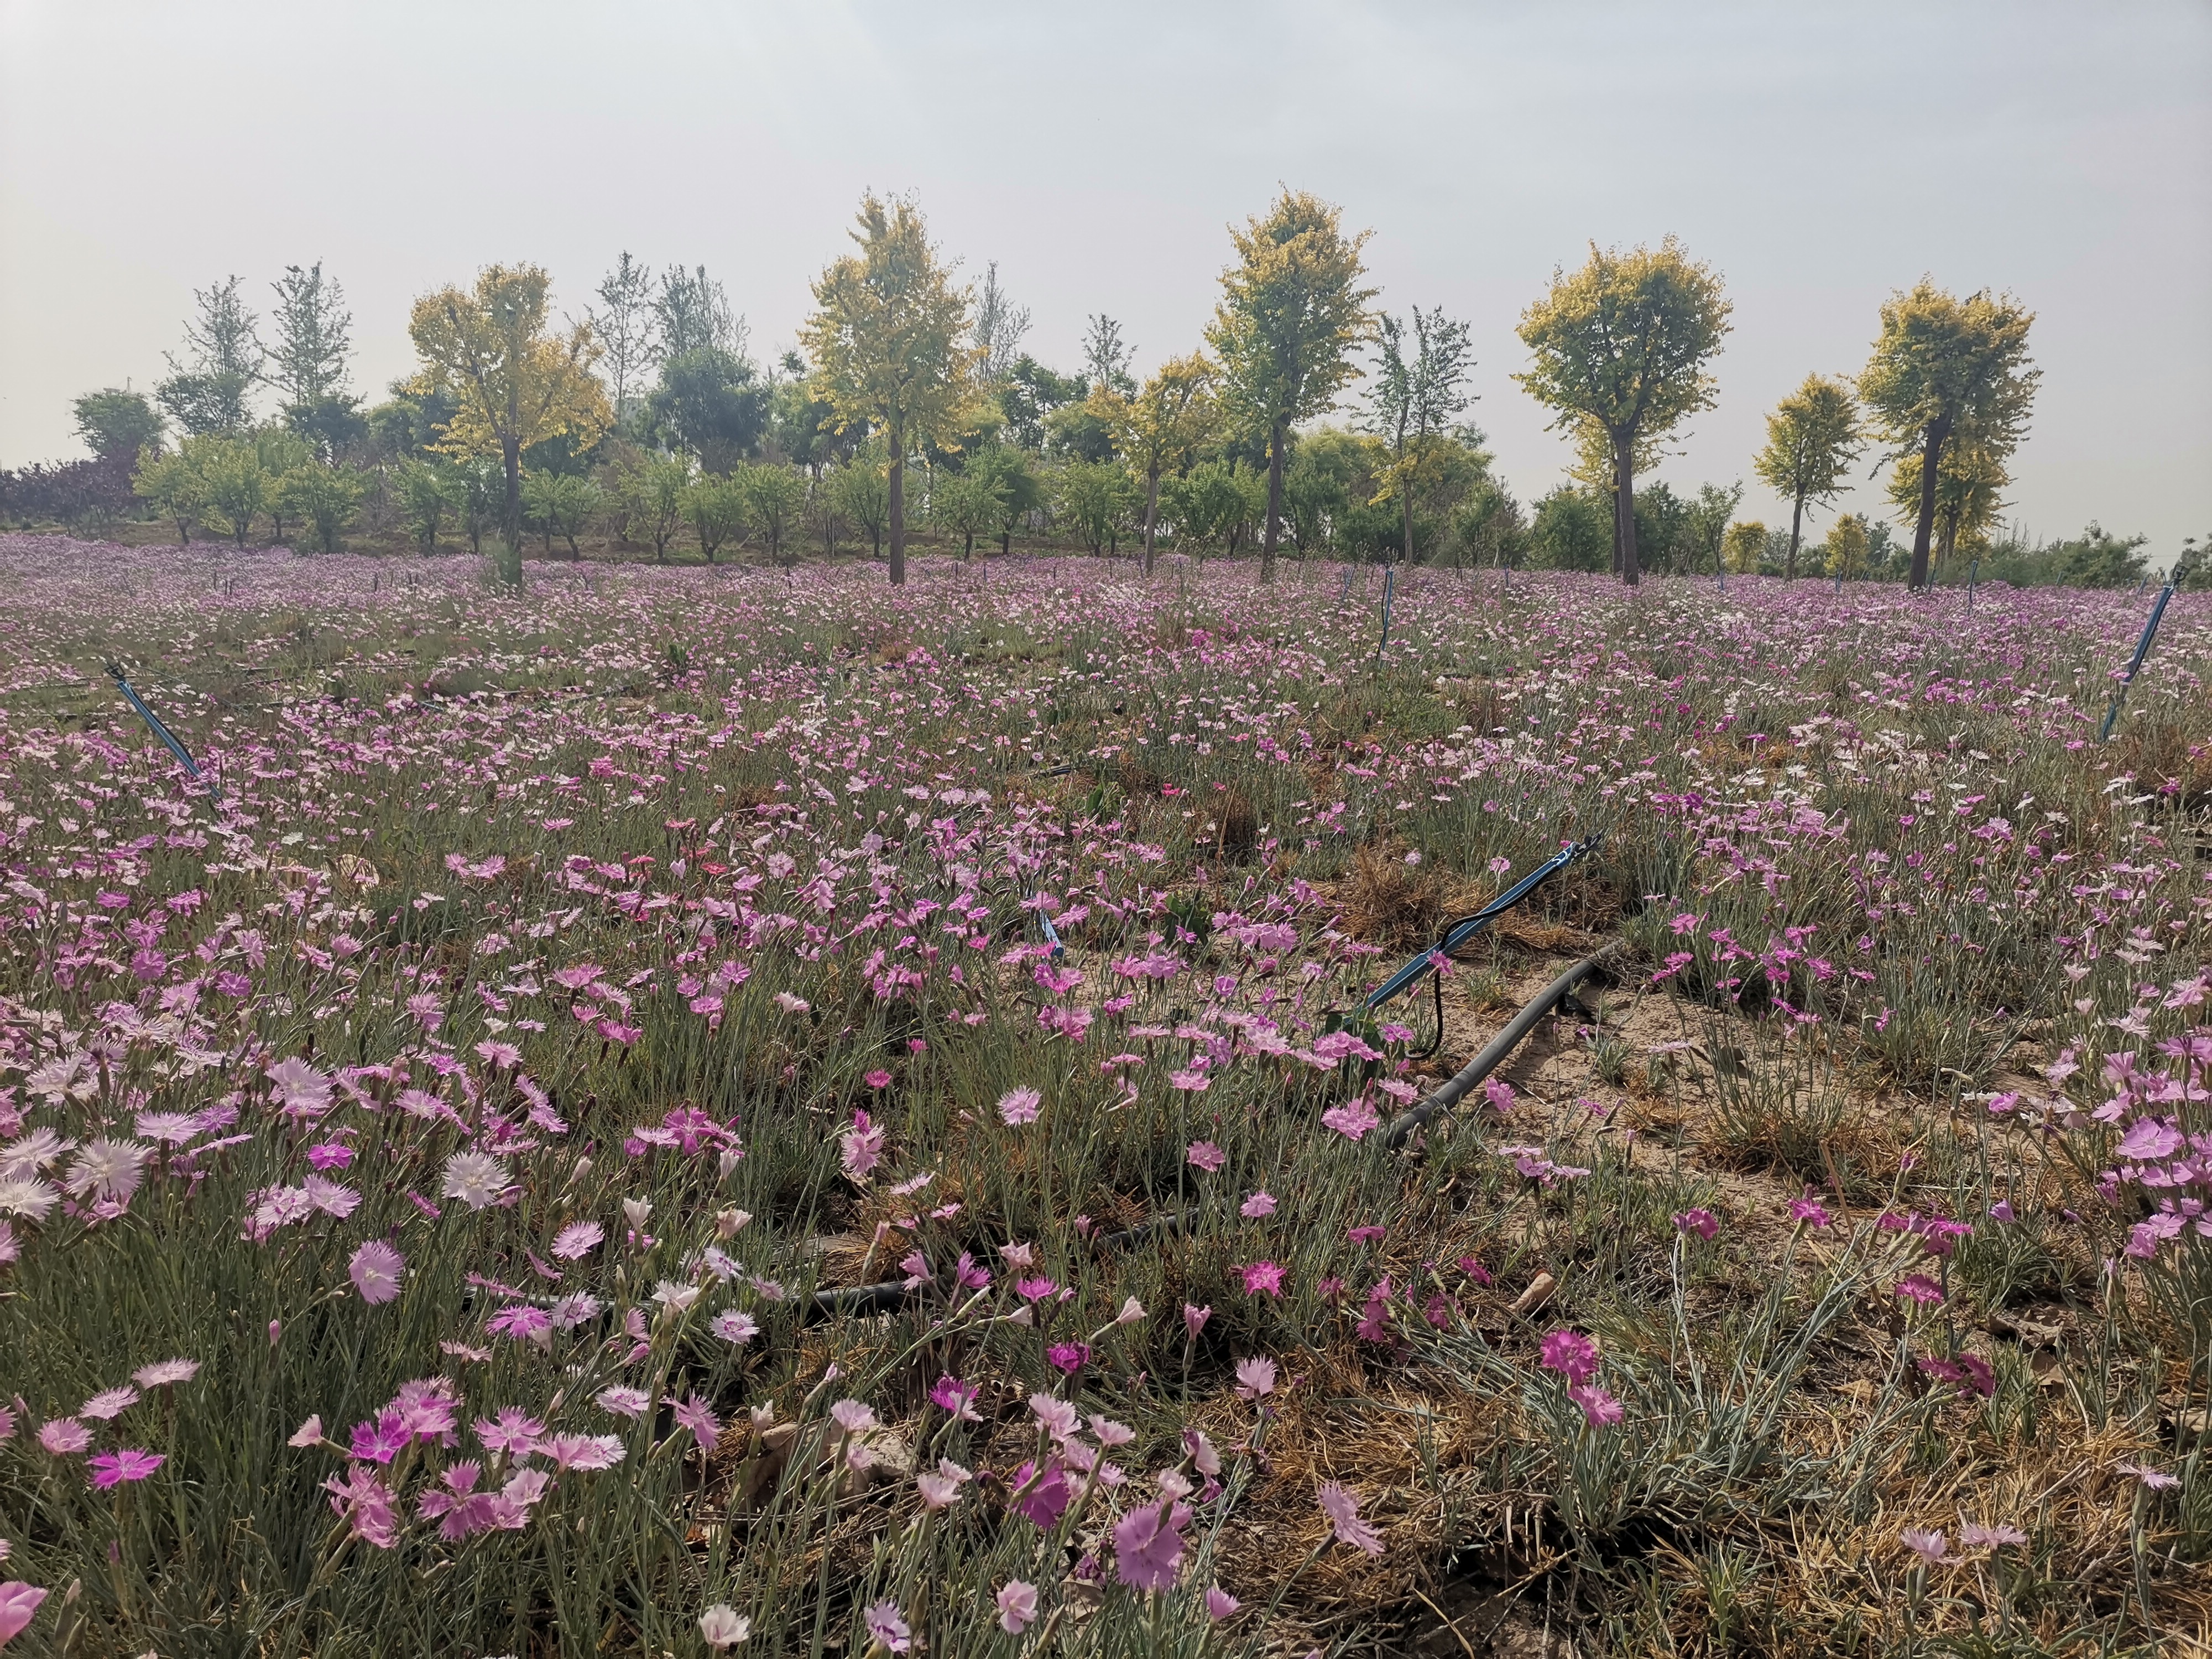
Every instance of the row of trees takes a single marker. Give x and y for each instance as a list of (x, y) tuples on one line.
[(903, 369)]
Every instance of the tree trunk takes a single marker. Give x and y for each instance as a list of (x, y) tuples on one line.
[(898, 517), (1151, 514), (1930, 455), (1405, 500), (1276, 440), (1796, 522), (1623, 505), (510, 518)]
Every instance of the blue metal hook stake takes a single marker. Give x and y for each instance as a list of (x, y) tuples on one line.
[(169, 738), (2142, 650)]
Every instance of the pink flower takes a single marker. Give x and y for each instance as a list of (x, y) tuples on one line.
[(1975, 1536), (18, 1603), (1193, 1320), (1257, 1208), (163, 1372), (1148, 1545), (1041, 1498), (878, 1078), (376, 1270), (513, 1432), (1353, 1119), (1255, 1378), (696, 1415), (723, 1626), (109, 1403), (1262, 1278), (64, 1436), (1571, 1354), (622, 1400), (861, 1147), (2156, 1479), (950, 1395), (1927, 1546), (1343, 1511), (1204, 1155), (1600, 1409), (1919, 1287), (577, 1240), (1018, 1106), (1220, 1603), (112, 1469), (1017, 1606), (1810, 1211), (887, 1626), (1702, 1222)]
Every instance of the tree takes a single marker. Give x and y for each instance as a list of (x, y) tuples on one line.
[(1946, 367), (1291, 311), (326, 497), (860, 491), (1706, 522), (693, 314), (1214, 500), (624, 323), (314, 333), (1570, 533), (1412, 401), (2097, 558), (233, 488), (1000, 325), (1970, 480), (716, 507), (1811, 439), (2192, 566), (1744, 547), (712, 404), (1094, 496), (1030, 394), (966, 504), (887, 342), (1844, 553), (1105, 358), (774, 497), (172, 483), (1014, 486), (513, 382), (208, 393), (656, 491), (1623, 343), (117, 423), (1162, 426), (560, 503), (1487, 525), (280, 451), (428, 491)]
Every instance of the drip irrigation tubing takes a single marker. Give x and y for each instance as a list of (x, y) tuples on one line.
[(887, 1295)]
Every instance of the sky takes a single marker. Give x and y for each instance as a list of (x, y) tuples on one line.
[(1818, 156)]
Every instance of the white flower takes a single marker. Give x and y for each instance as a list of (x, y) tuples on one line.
[(723, 1626), (476, 1178)]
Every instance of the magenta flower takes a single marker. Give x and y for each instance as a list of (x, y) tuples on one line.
[(1702, 1222), (1035, 1288), (1343, 1511), (380, 1440), (878, 1078), (1600, 1409), (1918, 1287), (112, 1469), (1810, 1211), (376, 1270), (1148, 1545), (696, 1415), (949, 1394), (1041, 1498), (1068, 1357), (1571, 1354), (1262, 1278)]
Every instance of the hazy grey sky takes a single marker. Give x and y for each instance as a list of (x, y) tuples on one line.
[(1819, 156)]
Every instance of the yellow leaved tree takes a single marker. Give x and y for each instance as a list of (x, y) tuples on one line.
[(1172, 414)]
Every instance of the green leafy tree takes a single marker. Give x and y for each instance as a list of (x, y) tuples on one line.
[(1744, 547), (1094, 496), (1969, 494), (1014, 485), (279, 450), (207, 392), (889, 342), (1214, 501), (1705, 523), (513, 382), (1624, 343), (774, 497), (1106, 358), (1000, 325), (966, 504), (2097, 558), (1159, 427), (428, 490), (1488, 528), (1945, 369), (171, 483), (1414, 400), (1811, 439), (314, 334), (326, 498), (235, 487), (117, 423), (657, 489), (560, 504), (1028, 394), (693, 314), (1291, 312), (1570, 532), (711, 402), (1843, 551), (716, 509), (2192, 566), (860, 490)]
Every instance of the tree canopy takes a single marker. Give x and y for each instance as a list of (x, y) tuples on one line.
[(1812, 438)]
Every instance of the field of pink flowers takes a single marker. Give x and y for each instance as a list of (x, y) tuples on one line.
[(432, 1146)]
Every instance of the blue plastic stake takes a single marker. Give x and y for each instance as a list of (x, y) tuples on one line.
[(2142, 650), (168, 737)]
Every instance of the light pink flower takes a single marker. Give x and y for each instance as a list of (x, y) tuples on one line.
[(1343, 1511), (19, 1603), (1017, 1606), (376, 1270), (1019, 1106)]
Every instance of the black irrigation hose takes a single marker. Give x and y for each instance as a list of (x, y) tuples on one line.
[(886, 1297)]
